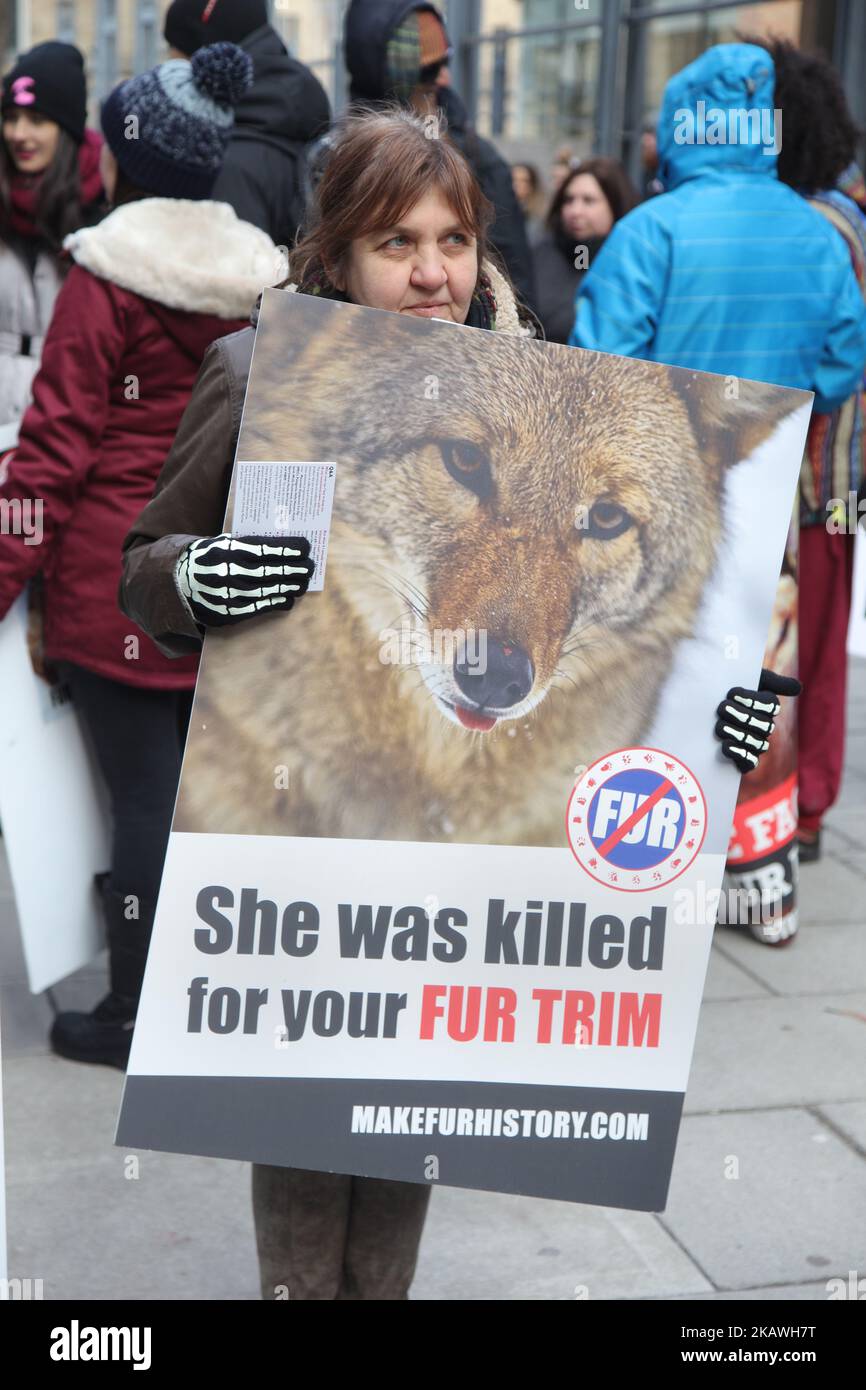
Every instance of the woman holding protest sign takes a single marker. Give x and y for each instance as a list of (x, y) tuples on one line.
[(400, 225)]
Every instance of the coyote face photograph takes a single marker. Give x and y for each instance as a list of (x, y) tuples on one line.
[(522, 535)]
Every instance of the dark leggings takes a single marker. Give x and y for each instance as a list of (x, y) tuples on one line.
[(137, 736)]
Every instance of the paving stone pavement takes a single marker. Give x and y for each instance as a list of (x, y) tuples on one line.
[(777, 1095)]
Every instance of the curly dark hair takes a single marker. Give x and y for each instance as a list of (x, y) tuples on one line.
[(819, 135)]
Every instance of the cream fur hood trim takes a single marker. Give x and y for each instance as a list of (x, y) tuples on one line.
[(197, 256), (507, 319)]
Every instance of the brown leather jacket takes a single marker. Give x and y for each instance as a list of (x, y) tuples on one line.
[(190, 498), (192, 492)]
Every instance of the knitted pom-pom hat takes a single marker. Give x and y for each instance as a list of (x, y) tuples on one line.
[(168, 128)]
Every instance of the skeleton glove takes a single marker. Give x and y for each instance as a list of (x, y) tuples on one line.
[(746, 718), (225, 579)]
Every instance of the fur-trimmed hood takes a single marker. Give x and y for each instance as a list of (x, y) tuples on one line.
[(508, 313), (194, 256)]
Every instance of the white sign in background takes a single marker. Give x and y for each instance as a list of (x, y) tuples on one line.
[(4, 1288), (55, 828), (857, 624)]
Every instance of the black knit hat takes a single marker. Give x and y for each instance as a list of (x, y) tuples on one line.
[(189, 24), (49, 79), (168, 128)]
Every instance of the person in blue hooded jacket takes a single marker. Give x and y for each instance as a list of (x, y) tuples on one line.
[(729, 270)]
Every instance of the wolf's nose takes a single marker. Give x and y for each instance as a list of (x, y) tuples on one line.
[(504, 679)]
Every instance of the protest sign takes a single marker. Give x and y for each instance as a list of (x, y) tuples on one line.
[(762, 869), (857, 623), (446, 856), (4, 1287), (55, 825)]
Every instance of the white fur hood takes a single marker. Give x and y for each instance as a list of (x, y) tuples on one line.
[(196, 256)]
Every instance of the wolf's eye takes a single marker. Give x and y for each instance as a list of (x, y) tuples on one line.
[(608, 519), (468, 464)]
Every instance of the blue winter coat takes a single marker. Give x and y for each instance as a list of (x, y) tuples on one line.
[(729, 271)]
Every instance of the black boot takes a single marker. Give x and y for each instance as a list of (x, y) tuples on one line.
[(105, 1034), (809, 847)]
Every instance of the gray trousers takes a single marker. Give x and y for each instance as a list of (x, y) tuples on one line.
[(329, 1236)]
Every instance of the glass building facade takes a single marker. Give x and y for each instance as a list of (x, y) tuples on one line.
[(539, 74), (535, 74), (588, 73)]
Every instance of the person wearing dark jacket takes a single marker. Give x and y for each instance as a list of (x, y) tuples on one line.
[(320, 1235), (395, 51), (264, 173), (152, 286), (595, 195)]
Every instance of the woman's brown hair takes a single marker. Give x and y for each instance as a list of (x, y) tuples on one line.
[(379, 168), (611, 178), (58, 205)]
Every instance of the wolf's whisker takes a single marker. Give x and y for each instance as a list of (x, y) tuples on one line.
[(566, 677), (381, 576), (398, 584)]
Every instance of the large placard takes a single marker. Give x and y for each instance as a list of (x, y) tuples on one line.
[(446, 857)]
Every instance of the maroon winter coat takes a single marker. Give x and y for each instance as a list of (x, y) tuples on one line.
[(117, 371)]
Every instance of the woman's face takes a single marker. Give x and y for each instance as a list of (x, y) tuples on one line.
[(521, 182), (31, 139), (427, 267), (585, 211)]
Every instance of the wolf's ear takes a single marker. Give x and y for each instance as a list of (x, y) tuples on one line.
[(731, 416)]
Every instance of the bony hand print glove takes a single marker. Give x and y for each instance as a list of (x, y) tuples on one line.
[(747, 718), (225, 579)]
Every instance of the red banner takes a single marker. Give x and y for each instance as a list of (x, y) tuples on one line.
[(762, 855)]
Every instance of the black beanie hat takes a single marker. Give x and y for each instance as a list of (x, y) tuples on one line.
[(49, 79), (189, 24)]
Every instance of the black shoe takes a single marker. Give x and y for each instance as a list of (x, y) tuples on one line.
[(809, 850), (103, 1036)]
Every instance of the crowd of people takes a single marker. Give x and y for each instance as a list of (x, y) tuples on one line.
[(129, 272)]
